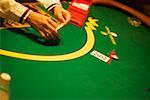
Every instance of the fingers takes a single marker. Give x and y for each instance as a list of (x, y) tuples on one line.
[(51, 30), (44, 25), (48, 30), (58, 14), (61, 18), (49, 25), (42, 34), (66, 15), (48, 35), (62, 14), (53, 23)]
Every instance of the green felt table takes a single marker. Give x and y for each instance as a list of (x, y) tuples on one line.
[(85, 77)]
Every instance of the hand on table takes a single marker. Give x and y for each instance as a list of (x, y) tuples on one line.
[(43, 24)]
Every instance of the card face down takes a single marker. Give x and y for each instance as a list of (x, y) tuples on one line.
[(79, 10)]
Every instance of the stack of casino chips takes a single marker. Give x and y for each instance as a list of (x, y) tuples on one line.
[(134, 21), (4, 86)]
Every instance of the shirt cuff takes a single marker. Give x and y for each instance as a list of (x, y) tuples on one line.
[(25, 15), (17, 10), (48, 3), (12, 10), (51, 7)]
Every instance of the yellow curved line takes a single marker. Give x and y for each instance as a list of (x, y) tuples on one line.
[(84, 50)]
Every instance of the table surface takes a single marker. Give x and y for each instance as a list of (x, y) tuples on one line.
[(85, 77)]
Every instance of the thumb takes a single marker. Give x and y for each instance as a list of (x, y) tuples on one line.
[(58, 13), (61, 18)]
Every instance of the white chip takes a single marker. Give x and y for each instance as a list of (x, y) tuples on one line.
[(81, 6), (114, 56), (113, 34), (100, 56), (5, 76)]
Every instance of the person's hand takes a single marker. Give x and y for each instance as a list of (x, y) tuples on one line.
[(62, 14), (43, 24)]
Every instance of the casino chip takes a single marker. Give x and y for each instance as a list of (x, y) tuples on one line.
[(134, 21), (5, 76)]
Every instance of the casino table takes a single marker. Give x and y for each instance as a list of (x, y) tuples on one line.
[(83, 77)]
